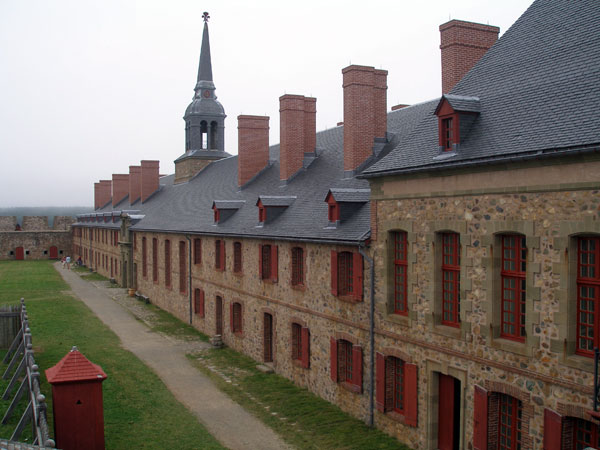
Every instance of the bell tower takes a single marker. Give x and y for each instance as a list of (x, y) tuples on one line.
[(204, 120)]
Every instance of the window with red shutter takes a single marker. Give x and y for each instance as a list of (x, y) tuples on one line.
[(333, 355), (451, 279), (199, 302), (297, 266), (512, 274), (345, 276), (268, 337), (144, 258), (182, 267), (296, 341), (305, 347), (334, 273), (220, 255), (236, 318), (197, 251), (155, 260), (399, 239), (265, 262), (167, 263), (237, 257), (588, 295)]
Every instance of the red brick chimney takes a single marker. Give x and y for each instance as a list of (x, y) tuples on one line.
[(120, 187), (291, 135), (310, 124), (105, 192), (462, 45), (97, 195), (253, 146), (135, 183), (365, 119), (149, 179)]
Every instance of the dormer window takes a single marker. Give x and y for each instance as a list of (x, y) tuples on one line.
[(275, 204), (342, 203), (224, 209), (456, 115)]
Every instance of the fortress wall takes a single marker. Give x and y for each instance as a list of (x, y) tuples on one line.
[(8, 223)]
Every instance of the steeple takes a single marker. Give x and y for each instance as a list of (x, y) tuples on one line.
[(204, 120), (205, 67)]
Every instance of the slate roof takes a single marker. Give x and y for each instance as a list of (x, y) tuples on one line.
[(539, 91)]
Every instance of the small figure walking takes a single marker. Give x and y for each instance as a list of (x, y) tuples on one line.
[(63, 261), (68, 263)]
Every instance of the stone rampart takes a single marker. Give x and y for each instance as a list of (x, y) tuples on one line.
[(8, 223), (35, 223)]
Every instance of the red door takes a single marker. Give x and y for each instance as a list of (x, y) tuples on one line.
[(19, 253), (448, 413), (53, 252)]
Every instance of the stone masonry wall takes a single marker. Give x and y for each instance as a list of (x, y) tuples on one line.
[(36, 244), (8, 223), (101, 253), (542, 371), (314, 307)]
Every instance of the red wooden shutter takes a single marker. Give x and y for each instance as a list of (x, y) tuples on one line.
[(380, 381), (274, 263), (357, 274), (334, 273), (552, 430), (222, 249), (411, 394), (260, 268), (231, 316), (201, 303), (305, 340), (480, 418), (334, 350), (357, 367)]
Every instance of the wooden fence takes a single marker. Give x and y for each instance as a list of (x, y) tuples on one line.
[(24, 376), (10, 324)]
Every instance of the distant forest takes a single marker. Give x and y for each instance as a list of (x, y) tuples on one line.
[(49, 211)]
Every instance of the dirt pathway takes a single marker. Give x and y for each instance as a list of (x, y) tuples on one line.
[(227, 421)]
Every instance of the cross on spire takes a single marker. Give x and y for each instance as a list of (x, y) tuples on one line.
[(205, 16)]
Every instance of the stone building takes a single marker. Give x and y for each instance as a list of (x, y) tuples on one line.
[(433, 270), (34, 238)]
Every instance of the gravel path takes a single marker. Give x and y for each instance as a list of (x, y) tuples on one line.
[(227, 421)]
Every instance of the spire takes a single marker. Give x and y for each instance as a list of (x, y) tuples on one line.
[(205, 67)]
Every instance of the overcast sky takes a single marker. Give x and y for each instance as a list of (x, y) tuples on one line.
[(88, 88)]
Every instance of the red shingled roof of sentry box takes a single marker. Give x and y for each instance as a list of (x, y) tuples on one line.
[(74, 367)]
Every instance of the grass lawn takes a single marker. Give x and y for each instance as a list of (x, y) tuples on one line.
[(139, 411), (300, 417)]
